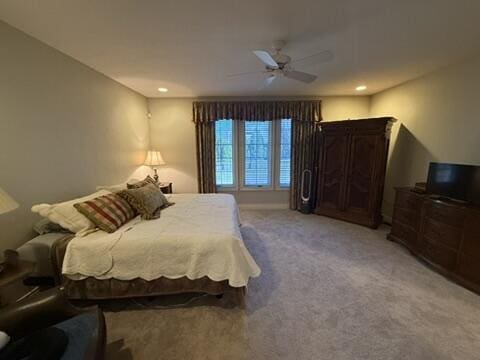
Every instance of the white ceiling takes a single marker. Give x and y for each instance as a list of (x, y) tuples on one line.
[(190, 46)]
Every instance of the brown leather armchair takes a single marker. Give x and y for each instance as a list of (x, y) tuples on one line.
[(50, 308)]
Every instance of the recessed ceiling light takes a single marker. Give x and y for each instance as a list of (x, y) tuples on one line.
[(361, 88), (162, 89)]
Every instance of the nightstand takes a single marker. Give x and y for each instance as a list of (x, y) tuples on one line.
[(166, 187)]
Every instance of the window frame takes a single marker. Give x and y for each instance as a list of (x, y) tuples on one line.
[(233, 187), (278, 134), (238, 143), (241, 159)]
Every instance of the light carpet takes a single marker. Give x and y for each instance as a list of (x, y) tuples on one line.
[(328, 290)]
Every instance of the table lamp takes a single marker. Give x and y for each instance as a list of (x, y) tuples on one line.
[(154, 158)]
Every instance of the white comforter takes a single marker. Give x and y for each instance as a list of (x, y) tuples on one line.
[(198, 236)]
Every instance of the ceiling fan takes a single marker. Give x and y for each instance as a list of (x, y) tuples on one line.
[(279, 64)]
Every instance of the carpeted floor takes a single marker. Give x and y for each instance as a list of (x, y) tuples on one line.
[(329, 290)]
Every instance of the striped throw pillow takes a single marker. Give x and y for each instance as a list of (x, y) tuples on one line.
[(107, 212)]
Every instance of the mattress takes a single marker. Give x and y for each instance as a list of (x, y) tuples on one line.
[(197, 237)]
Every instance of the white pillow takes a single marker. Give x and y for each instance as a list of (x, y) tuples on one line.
[(65, 214), (117, 187), (112, 188)]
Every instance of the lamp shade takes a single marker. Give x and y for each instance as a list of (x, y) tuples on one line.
[(154, 158), (6, 202)]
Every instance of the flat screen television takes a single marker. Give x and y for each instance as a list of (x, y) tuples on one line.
[(454, 181)]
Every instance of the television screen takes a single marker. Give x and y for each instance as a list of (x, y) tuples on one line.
[(460, 182)]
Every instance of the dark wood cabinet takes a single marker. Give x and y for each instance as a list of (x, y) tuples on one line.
[(352, 161), (406, 219), (444, 234), (332, 171)]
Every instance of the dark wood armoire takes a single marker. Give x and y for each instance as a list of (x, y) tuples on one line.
[(351, 169)]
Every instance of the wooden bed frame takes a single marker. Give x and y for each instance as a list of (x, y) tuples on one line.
[(95, 289)]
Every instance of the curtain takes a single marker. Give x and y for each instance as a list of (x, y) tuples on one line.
[(305, 149), (305, 115), (205, 136), (210, 111)]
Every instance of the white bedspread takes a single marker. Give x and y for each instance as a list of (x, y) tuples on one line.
[(198, 236)]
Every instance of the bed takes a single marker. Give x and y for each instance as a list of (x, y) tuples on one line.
[(195, 246)]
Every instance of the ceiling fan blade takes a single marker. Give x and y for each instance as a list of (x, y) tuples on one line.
[(300, 76), (318, 58), (268, 81), (266, 58), (244, 73)]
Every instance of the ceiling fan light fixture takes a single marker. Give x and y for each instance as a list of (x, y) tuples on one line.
[(361, 88), (277, 64)]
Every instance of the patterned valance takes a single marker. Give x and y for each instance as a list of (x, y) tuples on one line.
[(207, 111)]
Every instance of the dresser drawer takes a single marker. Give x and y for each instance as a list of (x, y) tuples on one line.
[(450, 215), (406, 216), (408, 200), (471, 236), (469, 268), (440, 255), (405, 234), (442, 233)]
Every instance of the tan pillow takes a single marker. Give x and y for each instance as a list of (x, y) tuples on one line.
[(144, 182), (107, 212), (148, 200)]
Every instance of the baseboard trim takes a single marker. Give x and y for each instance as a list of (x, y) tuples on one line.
[(263, 206)]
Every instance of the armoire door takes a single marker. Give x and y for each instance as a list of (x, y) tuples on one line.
[(360, 188), (333, 156), (352, 163)]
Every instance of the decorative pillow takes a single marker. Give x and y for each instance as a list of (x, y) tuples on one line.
[(67, 216), (140, 184), (107, 212), (147, 200)]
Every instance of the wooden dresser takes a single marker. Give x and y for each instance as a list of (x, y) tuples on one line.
[(444, 234), (351, 169)]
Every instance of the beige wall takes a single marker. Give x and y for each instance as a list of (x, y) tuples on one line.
[(64, 129), (173, 133), (438, 120), (345, 107)]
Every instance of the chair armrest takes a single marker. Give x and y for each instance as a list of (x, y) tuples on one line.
[(36, 312)]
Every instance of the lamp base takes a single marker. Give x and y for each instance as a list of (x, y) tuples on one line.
[(155, 177)]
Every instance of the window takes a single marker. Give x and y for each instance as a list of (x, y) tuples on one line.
[(257, 153), (264, 151), (224, 153), (285, 152)]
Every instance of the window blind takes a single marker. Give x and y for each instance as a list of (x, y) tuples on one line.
[(224, 153), (257, 153), (285, 152)]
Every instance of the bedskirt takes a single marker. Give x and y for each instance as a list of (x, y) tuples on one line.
[(95, 289)]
